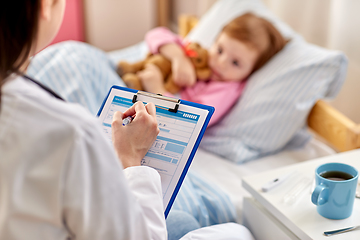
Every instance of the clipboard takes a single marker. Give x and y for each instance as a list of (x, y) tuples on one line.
[(182, 125)]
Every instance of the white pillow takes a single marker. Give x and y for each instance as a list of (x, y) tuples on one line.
[(271, 114), (223, 11)]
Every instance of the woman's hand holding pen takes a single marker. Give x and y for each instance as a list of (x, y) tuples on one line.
[(132, 142)]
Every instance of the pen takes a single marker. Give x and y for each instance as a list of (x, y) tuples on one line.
[(273, 183), (127, 120)]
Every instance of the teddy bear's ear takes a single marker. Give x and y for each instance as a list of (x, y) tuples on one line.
[(192, 45), (196, 45)]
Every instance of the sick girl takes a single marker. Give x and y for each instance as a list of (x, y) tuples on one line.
[(242, 47)]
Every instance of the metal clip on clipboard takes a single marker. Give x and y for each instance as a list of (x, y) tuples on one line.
[(160, 97)]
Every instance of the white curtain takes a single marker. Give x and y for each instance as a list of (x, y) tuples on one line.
[(333, 24)]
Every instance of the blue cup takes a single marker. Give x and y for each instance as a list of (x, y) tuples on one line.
[(335, 190)]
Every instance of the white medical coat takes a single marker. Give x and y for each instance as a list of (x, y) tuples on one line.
[(60, 178)]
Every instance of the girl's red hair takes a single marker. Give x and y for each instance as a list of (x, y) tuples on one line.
[(257, 33)]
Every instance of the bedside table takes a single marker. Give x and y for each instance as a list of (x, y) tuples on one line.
[(286, 211)]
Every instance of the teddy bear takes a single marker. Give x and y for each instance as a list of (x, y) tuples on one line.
[(197, 55)]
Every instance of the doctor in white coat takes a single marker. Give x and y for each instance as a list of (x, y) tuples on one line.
[(60, 178)]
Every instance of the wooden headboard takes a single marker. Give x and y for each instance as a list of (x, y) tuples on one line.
[(332, 126)]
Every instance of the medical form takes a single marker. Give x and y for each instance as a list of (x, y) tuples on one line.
[(180, 134)]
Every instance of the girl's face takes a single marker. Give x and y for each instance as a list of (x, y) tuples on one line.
[(51, 16), (230, 59)]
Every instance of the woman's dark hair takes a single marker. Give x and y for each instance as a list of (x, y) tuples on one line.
[(19, 27)]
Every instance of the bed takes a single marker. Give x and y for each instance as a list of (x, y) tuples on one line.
[(227, 175), (276, 135), (331, 130)]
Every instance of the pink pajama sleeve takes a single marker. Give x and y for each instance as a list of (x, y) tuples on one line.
[(160, 36)]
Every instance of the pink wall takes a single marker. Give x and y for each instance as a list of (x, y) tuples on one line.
[(72, 27)]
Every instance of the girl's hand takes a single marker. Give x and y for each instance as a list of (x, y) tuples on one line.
[(131, 142), (183, 71), (152, 79)]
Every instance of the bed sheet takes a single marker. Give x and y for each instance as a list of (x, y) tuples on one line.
[(227, 175), (132, 53)]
